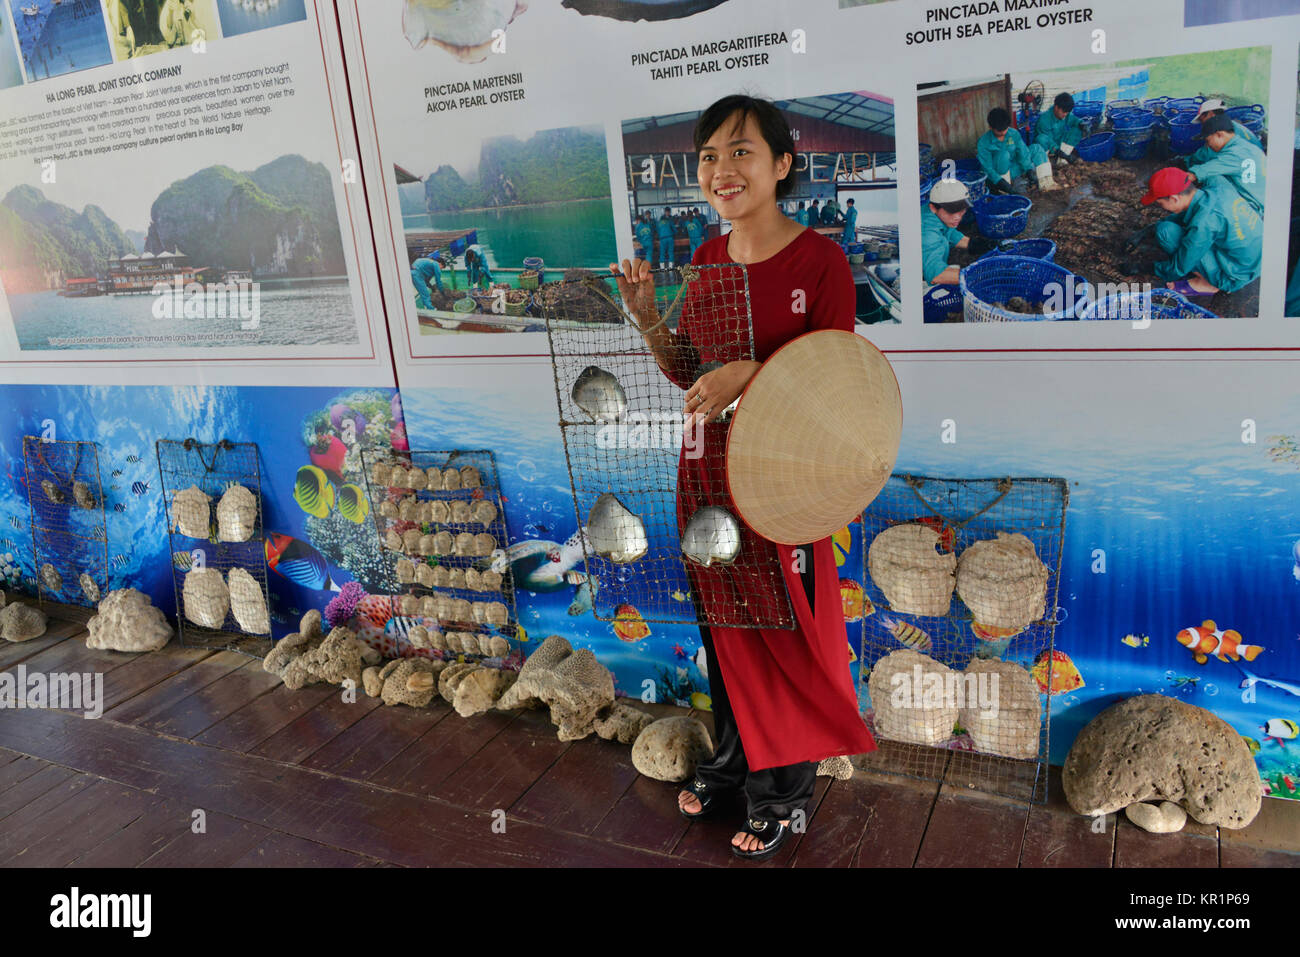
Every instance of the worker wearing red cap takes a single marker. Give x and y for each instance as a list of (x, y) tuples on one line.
[(1213, 236)]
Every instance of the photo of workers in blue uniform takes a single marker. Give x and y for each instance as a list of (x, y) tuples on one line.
[(694, 233), (1227, 156), (1213, 237), (1215, 107), (850, 222), (667, 240), (645, 236), (1058, 131), (1006, 159), (477, 270), (949, 200), (426, 272)]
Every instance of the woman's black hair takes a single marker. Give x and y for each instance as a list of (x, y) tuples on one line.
[(771, 124), (999, 119)]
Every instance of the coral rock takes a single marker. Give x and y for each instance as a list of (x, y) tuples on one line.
[(398, 683), (1010, 722), (478, 690), (669, 749), (22, 622), (928, 721), (334, 660), (573, 684), (236, 515), (371, 682), (1154, 747), (1163, 818), (450, 678), (838, 767), (128, 621), (623, 723)]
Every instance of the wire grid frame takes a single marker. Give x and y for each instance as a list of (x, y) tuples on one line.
[(69, 529), (963, 512), (649, 490), (435, 466), (214, 467)]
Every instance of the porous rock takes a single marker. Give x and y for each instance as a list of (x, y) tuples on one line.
[(622, 723), (479, 690), (333, 661), (669, 749), (399, 689), (1152, 747), (838, 767), (1163, 818), (1009, 724), (19, 622), (127, 620), (371, 681), (573, 684), (928, 721)]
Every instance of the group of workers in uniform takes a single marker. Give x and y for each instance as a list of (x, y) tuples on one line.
[(668, 228), (1212, 239), (830, 214), (426, 274)]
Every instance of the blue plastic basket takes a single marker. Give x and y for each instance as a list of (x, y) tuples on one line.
[(998, 278), (1183, 130), (1132, 144), (1161, 304), (976, 183), (1184, 103), (1115, 105), (1038, 248), (533, 262), (1132, 119), (1002, 217), (939, 301), (1091, 108), (1097, 148), (1251, 117), (1156, 103)]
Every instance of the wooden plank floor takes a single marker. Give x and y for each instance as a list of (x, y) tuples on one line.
[(203, 759)]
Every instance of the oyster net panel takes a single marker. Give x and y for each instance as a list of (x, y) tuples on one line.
[(69, 531), (957, 655), (439, 515), (648, 489), (214, 537)]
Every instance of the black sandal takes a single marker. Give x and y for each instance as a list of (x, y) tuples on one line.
[(704, 793), (771, 833)]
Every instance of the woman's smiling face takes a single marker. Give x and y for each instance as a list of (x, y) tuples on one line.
[(737, 170)]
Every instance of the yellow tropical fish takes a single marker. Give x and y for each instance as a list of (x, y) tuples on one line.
[(680, 595), (1064, 675), (313, 491), (1135, 641), (353, 504), (907, 634), (853, 655), (701, 702), (842, 544), (521, 634)]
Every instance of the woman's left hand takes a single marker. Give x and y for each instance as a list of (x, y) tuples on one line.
[(712, 392)]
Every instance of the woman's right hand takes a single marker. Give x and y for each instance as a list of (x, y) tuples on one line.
[(636, 286)]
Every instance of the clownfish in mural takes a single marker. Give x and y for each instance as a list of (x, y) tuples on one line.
[(1208, 640)]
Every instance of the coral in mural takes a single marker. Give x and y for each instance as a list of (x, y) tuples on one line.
[(356, 548)]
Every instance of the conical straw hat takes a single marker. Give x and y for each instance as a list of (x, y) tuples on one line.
[(814, 438)]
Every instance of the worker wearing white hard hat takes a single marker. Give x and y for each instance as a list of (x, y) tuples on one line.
[(949, 200), (1217, 107)]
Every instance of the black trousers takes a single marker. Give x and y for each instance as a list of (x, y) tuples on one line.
[(773, 794)]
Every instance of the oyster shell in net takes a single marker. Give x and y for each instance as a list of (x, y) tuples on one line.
[(711, 536), (247, 602), (615, 532), (599, 394)]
